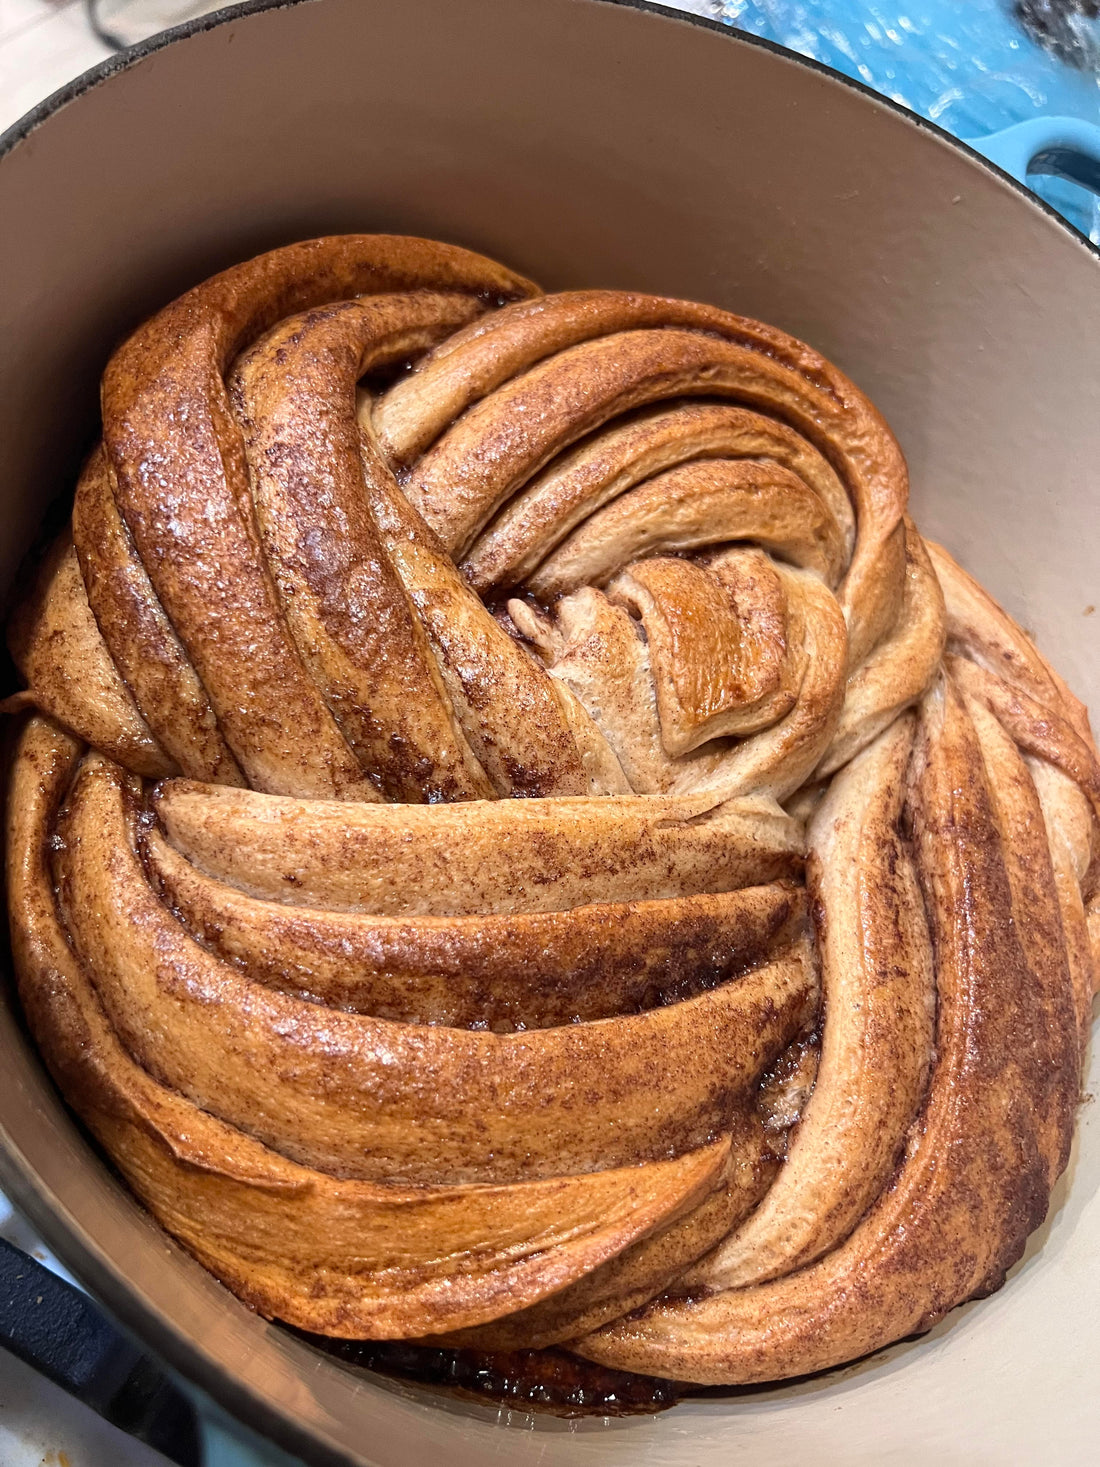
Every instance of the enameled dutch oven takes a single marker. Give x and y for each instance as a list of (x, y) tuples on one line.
[(584, 142)]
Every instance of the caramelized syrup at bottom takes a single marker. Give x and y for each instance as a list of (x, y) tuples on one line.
[(551, 1381)]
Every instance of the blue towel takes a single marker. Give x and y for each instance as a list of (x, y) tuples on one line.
[(970, 65)]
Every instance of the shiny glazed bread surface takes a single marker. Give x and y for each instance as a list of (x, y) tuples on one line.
[(518, 841)]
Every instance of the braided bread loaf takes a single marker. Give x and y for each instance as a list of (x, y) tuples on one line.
[(749, 1039)]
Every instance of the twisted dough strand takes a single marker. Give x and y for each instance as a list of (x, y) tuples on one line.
[(993, 1135)]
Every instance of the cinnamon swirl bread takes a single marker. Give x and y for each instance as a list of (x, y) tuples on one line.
[(519, 842)]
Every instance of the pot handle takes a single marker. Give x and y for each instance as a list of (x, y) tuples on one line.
[(60, 1332), (1066, 146)]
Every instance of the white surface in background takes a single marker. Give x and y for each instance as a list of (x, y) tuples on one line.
[(46, 43), (16, 1230), (40, 1426), (43, 45)]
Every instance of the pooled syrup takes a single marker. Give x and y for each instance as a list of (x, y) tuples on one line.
[(550, 1381)]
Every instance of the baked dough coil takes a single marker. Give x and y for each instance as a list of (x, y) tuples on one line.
[(519, 840)]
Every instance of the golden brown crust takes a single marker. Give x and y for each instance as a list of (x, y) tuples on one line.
[(559, 858), (293, 394), (500, 442), (878, 993), (483, 856), (504, 971), (641, 1271), (637, 484), (345, 1257), (164, 403), (56, 646), (364, 1097), (994, 1132), (139, 637)]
